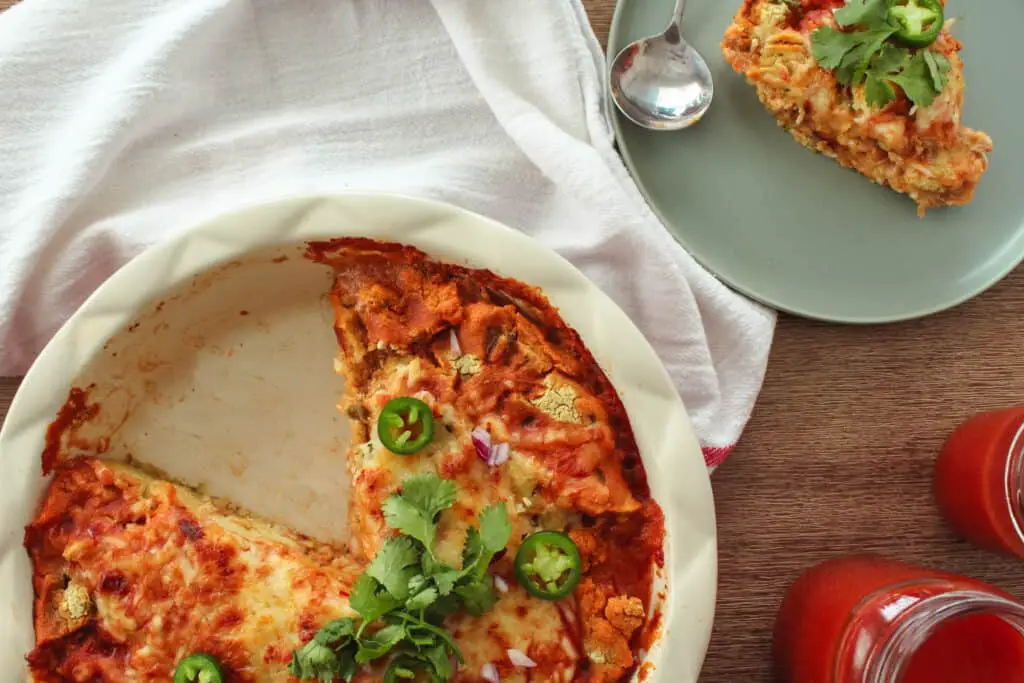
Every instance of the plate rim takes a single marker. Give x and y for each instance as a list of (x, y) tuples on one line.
[(618, 124), (110, 308)]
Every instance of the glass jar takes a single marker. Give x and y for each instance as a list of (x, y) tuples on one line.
[(872, 620), (979, 480)]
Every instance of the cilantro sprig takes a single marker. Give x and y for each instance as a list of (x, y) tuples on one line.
[(406, 593), (864, 54)]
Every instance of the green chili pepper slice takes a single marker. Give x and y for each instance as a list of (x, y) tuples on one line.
[(405, 425), (548, 565), (198, 667), (919, 21)]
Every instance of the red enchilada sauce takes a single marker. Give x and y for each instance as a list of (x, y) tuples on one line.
[(872, 620), (979, 477)]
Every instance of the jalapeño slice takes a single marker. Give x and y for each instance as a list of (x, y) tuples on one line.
[(405, 425), (548, 565), (198, 667), (919, 22)]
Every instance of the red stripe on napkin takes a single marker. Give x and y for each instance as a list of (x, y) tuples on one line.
[(715, 456)]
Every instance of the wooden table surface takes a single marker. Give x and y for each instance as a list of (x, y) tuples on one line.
[(837, 457)]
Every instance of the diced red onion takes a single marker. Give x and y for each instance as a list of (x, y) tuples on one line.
[(568, 613), (501, 584), (498, 455), (489, 672), (454, 342), (482, 443), (519, 658), (492, 454)]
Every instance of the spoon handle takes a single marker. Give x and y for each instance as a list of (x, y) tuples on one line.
[(677, 15), (674, 33)]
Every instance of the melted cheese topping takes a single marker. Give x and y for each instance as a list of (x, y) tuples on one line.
[(518, 621), (165, 573)]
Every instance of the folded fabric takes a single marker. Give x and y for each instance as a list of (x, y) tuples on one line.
[(127, 121)]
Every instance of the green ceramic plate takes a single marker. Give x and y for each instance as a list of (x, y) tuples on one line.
[(794, 230)]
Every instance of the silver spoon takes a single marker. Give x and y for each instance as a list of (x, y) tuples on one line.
[(661, 82)]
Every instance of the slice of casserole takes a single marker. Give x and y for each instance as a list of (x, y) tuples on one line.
[(875, 84), (503, 374)]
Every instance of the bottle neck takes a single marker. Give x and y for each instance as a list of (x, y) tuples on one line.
[(888, 661)]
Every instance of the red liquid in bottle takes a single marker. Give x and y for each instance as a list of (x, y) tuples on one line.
[(973, 649)]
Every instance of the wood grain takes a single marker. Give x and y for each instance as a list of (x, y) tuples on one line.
[(837, 457)]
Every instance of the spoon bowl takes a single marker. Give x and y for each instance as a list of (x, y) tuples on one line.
[(662, 82)]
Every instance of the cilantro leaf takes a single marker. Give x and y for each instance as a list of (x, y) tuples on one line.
[(414, 511), (445, 581), (325, 657), (429, 493), (314, 661), (394, 565), (481, 546), (877, 91), (418, 583), (348, 667), (336, 633), (444, 607), (890, 59), (422, 600), (380, 643), (849, 54), (369, 600), (938, 69), (863, 12), (444, 576), (495, 528), (407, 665), (916, 80), (472, 552), (829, 46), (401, 669), (402, 515), (478, 596), (853, 68), (437, 656)]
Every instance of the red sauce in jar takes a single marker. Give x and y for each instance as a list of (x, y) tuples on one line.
[(980, 648), (978, 479), (840, 616)]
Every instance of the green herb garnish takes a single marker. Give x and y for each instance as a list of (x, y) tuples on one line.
[(865, 54), (406, 593)]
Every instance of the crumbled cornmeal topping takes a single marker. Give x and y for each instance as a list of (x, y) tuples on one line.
[(467, 364), (559, 402), (74, 603)]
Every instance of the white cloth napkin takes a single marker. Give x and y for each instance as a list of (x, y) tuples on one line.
[(125, 121)]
